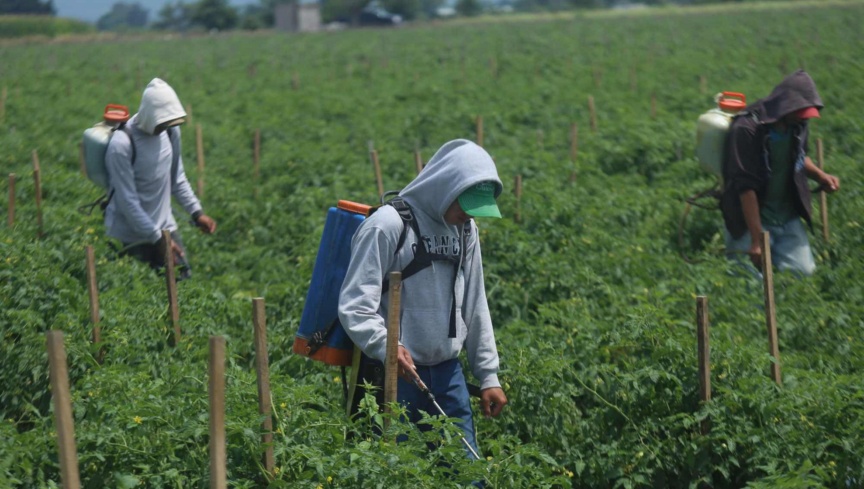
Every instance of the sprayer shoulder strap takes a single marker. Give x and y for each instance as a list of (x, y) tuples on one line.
[(422, 257), (175, 155)]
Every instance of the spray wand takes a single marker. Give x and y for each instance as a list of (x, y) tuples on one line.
[(425, 390)]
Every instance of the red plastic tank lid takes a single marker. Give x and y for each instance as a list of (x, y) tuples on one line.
[(354, 207), (732, 101), (116, 113)]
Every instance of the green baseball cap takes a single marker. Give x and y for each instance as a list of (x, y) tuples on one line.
[(479, 200)]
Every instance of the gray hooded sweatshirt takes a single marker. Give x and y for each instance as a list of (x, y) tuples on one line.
[(141, 205), (427, 296)]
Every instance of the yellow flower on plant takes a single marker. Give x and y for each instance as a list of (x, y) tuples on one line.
[(283, 405), (337, 379), (329, 479), (276, 470), (137, 419), (90, 231)]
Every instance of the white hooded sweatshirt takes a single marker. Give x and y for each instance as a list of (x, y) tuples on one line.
[(427, 297), (140, 207)]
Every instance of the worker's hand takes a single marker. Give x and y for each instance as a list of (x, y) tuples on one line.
[(829, 183), (206, 224), (176, 250), (492, 401), (406, 365), (755, 253)]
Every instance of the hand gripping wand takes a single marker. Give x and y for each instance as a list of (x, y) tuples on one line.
[(425, 390)]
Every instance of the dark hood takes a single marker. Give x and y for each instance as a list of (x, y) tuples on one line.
[(797, 91)]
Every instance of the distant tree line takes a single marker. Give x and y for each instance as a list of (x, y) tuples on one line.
[(39, 7), (182, 15)]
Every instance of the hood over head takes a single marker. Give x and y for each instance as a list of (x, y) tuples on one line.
[(797, 91), (458, 165), (159, 104)]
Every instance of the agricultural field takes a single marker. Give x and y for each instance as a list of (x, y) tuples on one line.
[(595, 309)]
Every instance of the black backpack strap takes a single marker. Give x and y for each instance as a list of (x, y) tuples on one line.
[(466, 230), (422, 258), (175, 152), (175, 161)]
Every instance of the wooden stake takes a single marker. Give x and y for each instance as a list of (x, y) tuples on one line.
[(493, 66), (376, 166), (517, 189), (65, 425), (93, 291), (391, 366), (259, 321), (216, 390), (37, 180), (479, 124), (295, 81), (3, 105), (703, 84), (189, 114), (199, 144), (256, 156), (633, 79), (418, 160), (704, 352), (171, 283), (593, 113), (10, 214), (770, 311), (823, 196)]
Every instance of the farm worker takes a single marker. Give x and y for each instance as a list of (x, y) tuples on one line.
[(444, 306), (765, 171), (140, 207)]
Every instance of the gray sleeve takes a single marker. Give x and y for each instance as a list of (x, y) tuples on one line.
[(372, 251), (121, 181), (180, 187), (480, 343)]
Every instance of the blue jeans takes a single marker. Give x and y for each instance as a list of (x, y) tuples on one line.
[(790, 249), (447, 383)]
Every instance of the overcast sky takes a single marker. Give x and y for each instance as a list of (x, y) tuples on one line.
[(91, 10)]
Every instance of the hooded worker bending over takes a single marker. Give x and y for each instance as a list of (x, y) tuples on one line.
[(765, 171), (143, 173), (443, 306)]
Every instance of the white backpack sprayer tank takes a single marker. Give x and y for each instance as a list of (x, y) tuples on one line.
[(711, 130), (96, 141)]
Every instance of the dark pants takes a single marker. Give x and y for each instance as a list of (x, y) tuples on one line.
[(153, 256)]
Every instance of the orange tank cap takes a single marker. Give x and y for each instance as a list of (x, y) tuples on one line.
[(116, 113), (732, 101), (347, 205)]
